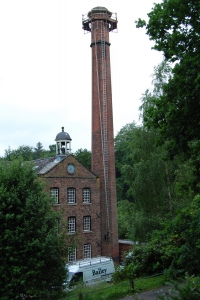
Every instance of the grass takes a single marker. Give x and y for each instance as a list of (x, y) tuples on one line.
[(114, 291)]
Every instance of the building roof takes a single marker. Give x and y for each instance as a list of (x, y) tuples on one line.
[(62, 136), (127, 242), (42, 164)]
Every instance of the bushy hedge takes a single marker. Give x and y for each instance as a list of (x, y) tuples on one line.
[(174, 250)]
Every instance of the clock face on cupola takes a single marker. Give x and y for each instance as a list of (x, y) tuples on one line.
[(70, 169)]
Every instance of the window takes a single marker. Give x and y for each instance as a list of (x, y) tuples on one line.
[(87, 251), (86, 195), (71, 195), (71, 224), (54, 195), (77, 278), (71, 254), (87, 223)]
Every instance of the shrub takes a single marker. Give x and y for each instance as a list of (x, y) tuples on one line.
[(31, 250), (174, 250), (188, 290)]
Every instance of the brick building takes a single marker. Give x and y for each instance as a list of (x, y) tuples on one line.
[(88, 198), (76, 191)]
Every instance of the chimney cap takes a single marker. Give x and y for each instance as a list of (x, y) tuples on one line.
[(99, 10)]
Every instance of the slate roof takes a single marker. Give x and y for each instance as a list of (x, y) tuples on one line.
[(43, 165)]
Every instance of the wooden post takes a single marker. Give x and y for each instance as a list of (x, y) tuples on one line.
[(131, 284), (80, 296)]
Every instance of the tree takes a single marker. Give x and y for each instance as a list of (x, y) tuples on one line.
[(175, 113), (122, 157), (143, 167), (84, 157), (25, 152), (145, 178), (52, 149), (125, 215), (175, 249), (174, 25), (38, 150), (28, 153), (151, 188), (161, 75), (32, 251)]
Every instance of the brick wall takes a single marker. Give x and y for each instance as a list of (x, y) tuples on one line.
[(124, 248), (109, 247), (82, 178)]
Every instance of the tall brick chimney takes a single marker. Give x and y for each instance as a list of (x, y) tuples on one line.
[(99, 21)]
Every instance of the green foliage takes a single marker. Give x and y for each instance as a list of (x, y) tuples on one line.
[(168, 109), (125, 213), (84, 157), (175, 28), (28, 153), (120, 274), (147, 259), (52, 150), (150, 99), (174, 250), (114, 290), (170, 112), (147, 182), (144, 175), (24, 152), (187, 290), (140, 23), (122, 157), (31, 250), (184, 235), (184, 179), (38, 150)]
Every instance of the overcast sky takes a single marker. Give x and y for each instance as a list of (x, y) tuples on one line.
[(45, 69)]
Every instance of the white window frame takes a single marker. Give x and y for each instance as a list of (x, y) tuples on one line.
[(87, 251), (71, 195), (71, 254), (86, 223), (86, 195), (71, 224), (54, 194)]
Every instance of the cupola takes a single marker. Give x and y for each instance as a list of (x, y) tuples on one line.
[(63, 143)]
